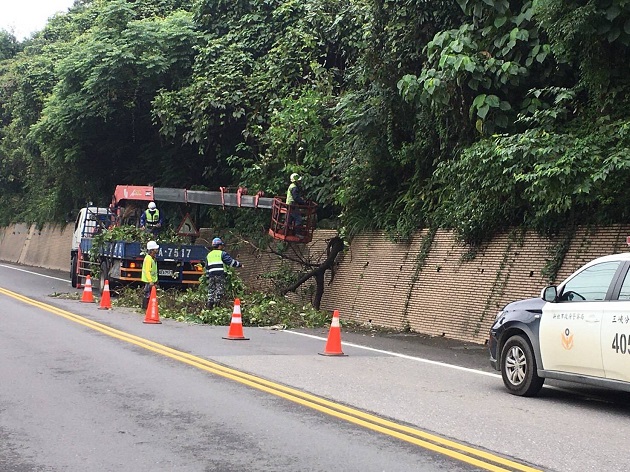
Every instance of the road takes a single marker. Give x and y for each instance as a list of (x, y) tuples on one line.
[(84, 389)]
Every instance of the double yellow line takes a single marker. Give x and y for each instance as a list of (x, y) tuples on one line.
[(461, 452)]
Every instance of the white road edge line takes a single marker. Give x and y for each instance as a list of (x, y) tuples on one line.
[(34, 273), (403, 356), (420, 359)]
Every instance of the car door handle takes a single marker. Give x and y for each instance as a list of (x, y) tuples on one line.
[(592, 319)]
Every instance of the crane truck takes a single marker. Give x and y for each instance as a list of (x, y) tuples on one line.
[(120, 262)]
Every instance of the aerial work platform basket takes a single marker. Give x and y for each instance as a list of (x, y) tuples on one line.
[(293, 223)]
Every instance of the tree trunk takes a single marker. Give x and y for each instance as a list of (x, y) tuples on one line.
[(335, 246)]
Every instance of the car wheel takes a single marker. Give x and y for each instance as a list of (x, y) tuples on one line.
[(73, 272), (518, 368)]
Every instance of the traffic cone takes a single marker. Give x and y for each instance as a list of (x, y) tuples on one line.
[(87, 296), (152, 316), (236, 325), (333, 344), (106, 302)]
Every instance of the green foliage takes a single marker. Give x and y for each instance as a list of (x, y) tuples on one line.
[(234, 286), (257, 309), (9, 46), (296, 141), (281, 277), (390, 108), (593, 39), (538, 179), (128, 233), (79, 103), (487, 64)]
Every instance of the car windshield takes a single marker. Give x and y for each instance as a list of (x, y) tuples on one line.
[(590, 284), (624, 293)]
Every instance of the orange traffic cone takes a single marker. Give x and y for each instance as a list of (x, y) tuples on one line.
[(236, 325), (152, 316), (106, 302), (87, 296), (333, 344)]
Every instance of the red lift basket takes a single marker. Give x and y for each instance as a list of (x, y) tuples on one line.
[(293, 223)]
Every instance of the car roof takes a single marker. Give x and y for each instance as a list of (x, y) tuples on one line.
[(623, 256)]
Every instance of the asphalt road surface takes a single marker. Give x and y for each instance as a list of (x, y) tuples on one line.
[(88, 390)]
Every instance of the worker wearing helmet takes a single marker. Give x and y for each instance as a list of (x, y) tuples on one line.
[(149, 271), (216, 262), (151, 220), (294, 192), (294, 197)]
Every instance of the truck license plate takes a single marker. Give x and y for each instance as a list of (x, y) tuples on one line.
[(165, 272)]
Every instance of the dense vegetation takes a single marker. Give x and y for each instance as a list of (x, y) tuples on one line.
[(473, 115)]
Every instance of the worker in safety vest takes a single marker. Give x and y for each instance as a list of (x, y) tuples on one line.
[(151, 220), (294, 196), (216, 261), (149, 271), (294, 192)]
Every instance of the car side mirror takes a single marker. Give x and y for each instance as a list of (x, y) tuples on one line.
[(549, 294)]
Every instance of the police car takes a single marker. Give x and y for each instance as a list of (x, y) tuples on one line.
[(578, 331)]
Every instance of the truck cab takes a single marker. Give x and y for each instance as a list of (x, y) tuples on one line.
[(90, 221)]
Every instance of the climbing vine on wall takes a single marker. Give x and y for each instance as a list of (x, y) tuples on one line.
[(557, 252), (516, 237), (421, 259)]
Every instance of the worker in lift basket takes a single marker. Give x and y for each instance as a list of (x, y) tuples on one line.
[(149, 272), (294, 196), (151, 219), (216, 261)]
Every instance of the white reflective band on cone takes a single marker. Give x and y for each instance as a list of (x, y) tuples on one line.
[(335, 322)]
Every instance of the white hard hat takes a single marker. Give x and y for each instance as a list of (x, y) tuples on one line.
[(152, 245), (152, 206), (295, 177)]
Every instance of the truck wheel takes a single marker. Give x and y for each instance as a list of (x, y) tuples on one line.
[(104, 276), (73, 271), (518, 368)]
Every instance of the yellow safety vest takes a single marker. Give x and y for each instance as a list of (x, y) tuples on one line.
[(152, 218), (215, 264), (149, 269), (289, 194)]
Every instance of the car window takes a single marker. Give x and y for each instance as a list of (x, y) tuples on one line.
[(590, 284), (624, 294)]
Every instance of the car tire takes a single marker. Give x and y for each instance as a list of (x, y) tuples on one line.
[(519, 369), (74, 279)]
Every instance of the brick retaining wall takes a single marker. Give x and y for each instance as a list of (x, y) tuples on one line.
[(441, 292)]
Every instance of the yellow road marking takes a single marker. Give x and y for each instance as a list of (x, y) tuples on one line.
[(461, 452)]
